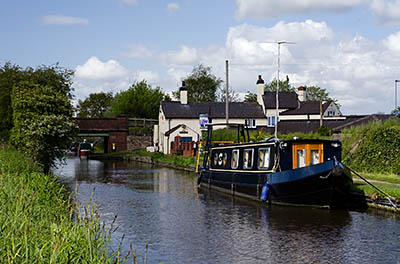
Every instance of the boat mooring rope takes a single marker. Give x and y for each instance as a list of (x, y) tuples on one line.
[(388, 197)]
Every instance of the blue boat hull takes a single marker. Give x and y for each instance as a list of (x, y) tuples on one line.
[(324, 184)]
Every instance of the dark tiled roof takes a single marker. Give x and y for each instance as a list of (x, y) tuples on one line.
[(287, 100), (216, 110), (304, 126), (307, 107), (337, 125), (356, 120)]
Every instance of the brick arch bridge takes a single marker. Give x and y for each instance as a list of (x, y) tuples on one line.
[(113, 130)]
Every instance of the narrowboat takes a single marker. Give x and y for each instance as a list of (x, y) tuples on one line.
[(301, 172), (85, 149)]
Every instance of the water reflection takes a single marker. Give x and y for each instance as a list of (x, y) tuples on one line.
[(187, 225)]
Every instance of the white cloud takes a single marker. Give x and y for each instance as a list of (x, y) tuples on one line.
[(96, 76), (355, 70), (273, 8), (94, 69), (129, 2), (151, 77), (64, 20), (185, 56), (392, 42), (387, 11), (172, 7)]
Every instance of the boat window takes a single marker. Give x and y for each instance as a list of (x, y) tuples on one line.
[(235, 159), (215, 159), (301, 158), (222, 158), (264, 158), (307, 154), (248, 159), (314, 156)]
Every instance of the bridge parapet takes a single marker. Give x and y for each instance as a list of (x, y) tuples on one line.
[(114, 131), (119, 123)]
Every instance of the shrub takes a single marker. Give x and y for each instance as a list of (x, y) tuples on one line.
[(373, 147)]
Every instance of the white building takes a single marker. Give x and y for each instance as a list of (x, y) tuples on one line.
[(182, 118)]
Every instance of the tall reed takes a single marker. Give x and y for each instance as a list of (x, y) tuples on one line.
[(41, 223)]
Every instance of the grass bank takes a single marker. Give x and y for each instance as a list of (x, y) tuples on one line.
[(166, 158), (40, 223)]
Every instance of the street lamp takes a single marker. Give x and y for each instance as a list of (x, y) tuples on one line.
[(277, 85), (395, 93)]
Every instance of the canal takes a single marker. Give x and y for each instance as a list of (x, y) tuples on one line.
[(185, 225)]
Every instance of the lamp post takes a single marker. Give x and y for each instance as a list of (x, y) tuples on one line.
[(395, 93), (277, 85)]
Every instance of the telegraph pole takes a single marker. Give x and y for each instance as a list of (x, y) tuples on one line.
[(227, 93)]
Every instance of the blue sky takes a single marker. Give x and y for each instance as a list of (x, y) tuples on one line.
[(349, 47)]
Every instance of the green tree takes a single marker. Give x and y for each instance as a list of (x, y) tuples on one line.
[(284, 86), (316, 93), (55, 76), (250, 97), (43, 125), (95, 105), (140, 100), (232, 96), (201, 84), (9, 75)]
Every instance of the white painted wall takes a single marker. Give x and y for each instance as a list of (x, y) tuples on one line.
[(334, 108), (191, 124)]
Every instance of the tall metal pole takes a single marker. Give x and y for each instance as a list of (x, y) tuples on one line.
[(395, 93), (277, 90), (227, 93)]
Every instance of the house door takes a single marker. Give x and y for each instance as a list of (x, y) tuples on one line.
[(307, 154)]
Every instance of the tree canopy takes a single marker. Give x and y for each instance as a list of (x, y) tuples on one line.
[(95, 105), (232, 96), (9, 75), (284, 86), (60, 79), (140, 100), (201, 85), (250, 97), (43, 125), (313, 93)]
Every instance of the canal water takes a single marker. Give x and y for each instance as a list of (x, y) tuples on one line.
[(184, 224)]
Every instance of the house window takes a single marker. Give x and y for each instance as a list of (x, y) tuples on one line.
[(331, 113), (248, 159), (271, 121), (250, 123), (235, 159), (264, 158)]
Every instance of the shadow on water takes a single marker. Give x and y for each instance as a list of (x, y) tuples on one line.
[(187, 225)]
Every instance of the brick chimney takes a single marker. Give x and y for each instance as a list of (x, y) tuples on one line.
[(302, 92), (183, 93), (260, 90)]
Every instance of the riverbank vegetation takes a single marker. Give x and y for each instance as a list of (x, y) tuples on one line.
[(40, 223)]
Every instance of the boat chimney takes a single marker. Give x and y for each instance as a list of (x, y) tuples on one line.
[(302, 93), (183, 93), (260, 90)]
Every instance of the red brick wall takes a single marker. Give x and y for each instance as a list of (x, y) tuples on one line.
[(100, 124), (183, 148), (119, 139)]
